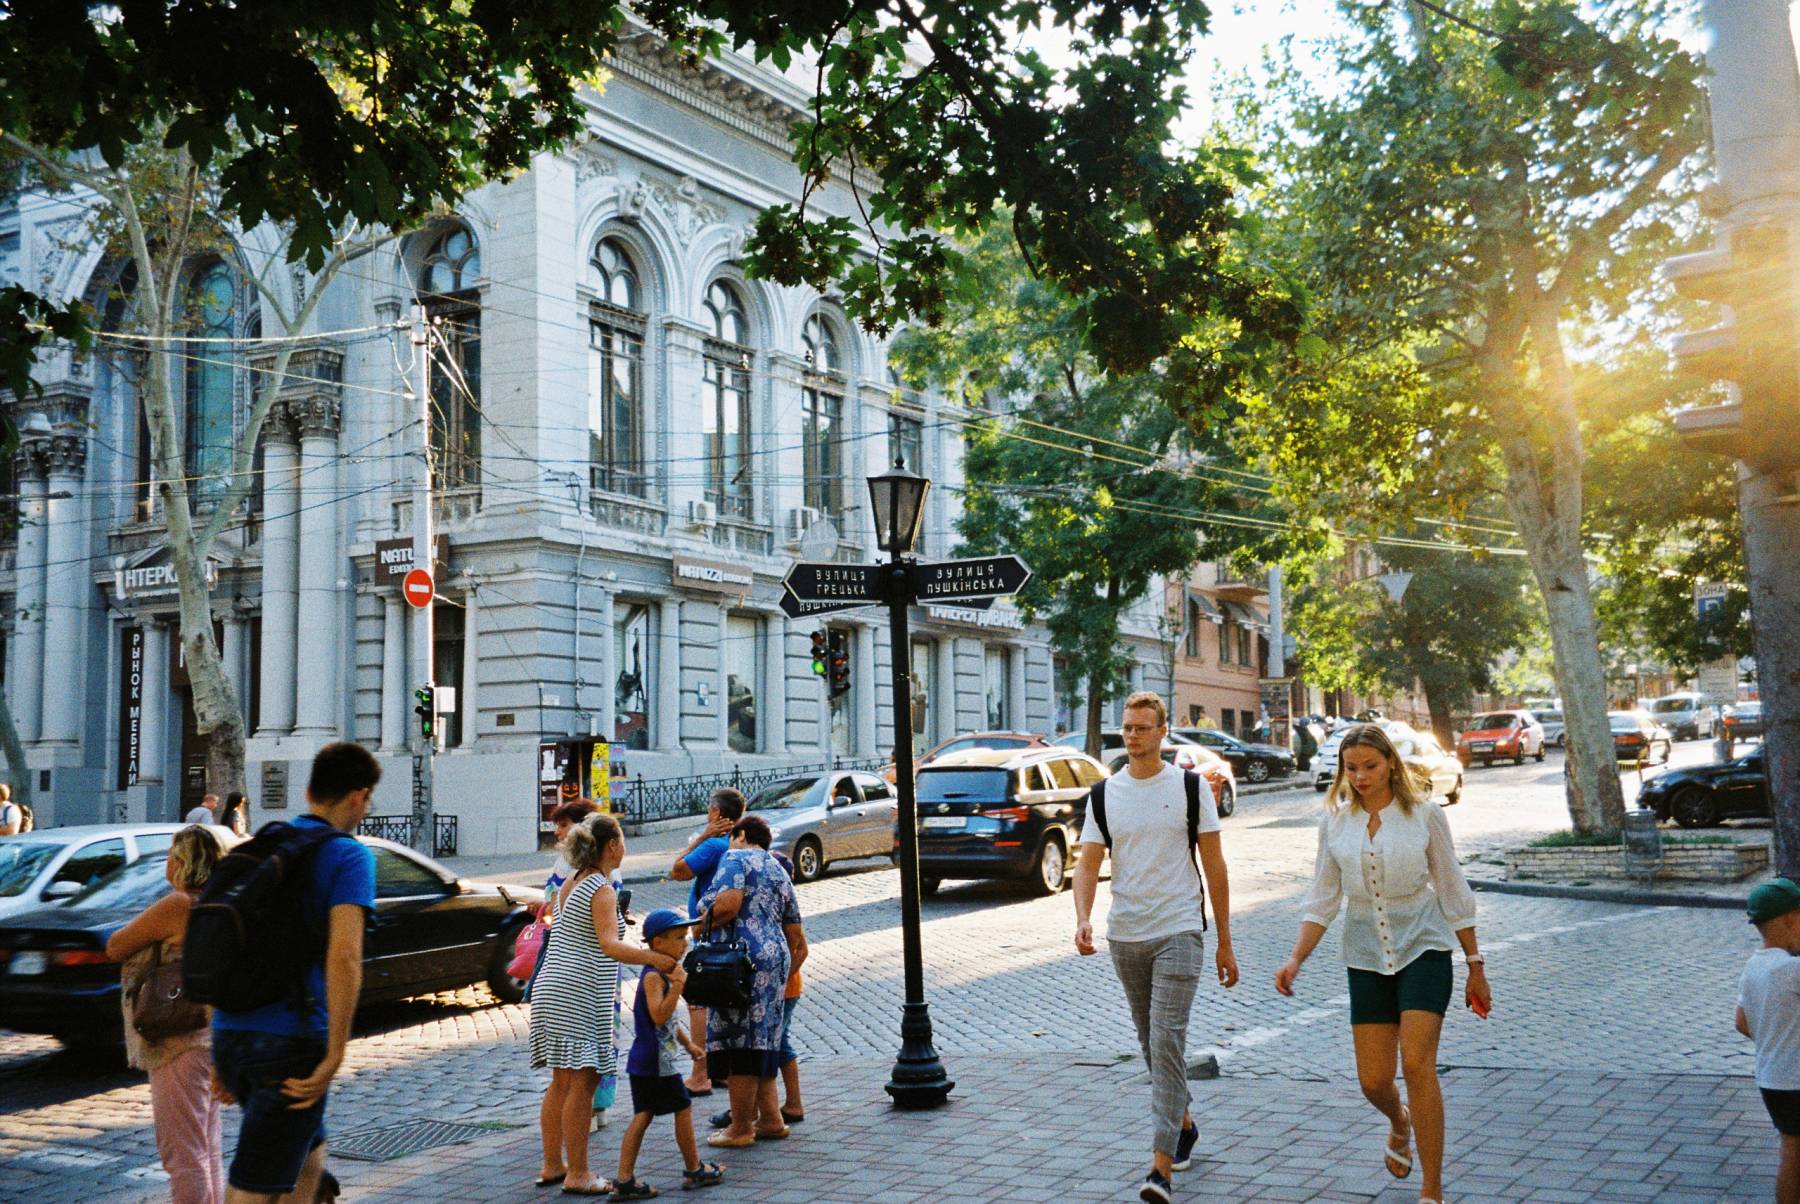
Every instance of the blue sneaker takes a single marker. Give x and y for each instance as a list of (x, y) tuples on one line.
[(1184, 1147), (1155, 1189)]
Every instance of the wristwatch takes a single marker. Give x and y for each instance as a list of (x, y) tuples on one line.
[(1474, 959)]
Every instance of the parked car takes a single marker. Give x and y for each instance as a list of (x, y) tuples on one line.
[(1688, 715), (973, 740), (1203, 761), (1112, 739), (1636, 737), (430, 932), (1432, 766), (1002, 813), (1325, 769), (1499, 734), (1252, 762), (50, 865), (1702, 795), (1555, 729), (1743, 721), (817, 819)]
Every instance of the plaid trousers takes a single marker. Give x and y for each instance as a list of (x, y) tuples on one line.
[(1160, 978)]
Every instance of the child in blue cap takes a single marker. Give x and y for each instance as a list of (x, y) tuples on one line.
[(656, 1086), (1768, 1012)]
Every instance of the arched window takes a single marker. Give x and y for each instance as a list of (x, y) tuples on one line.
[(725, 404), (616, 375), (822, 417), (211, 383), (447, 274)]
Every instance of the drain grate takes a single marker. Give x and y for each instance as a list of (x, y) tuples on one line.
[(409, 1137)]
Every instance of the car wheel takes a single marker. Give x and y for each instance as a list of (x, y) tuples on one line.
[(1257, 771), (1486, 762), (1540, 754), (809, 860), (1052, 867), (502, 985), (929, 886), (1693, 808), (1455, 795), (1227, 801), (1321, 787)]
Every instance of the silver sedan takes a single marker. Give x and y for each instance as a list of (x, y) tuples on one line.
[(817, 819)]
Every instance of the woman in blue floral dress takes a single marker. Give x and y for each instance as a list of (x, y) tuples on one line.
[(750, 897)]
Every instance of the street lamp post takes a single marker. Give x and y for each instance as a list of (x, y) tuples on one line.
[(897, 499)]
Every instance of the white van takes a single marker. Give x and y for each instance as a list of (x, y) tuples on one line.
[(1688, 714)]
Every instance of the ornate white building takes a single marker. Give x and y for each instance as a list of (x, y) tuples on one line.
[(630, 440)]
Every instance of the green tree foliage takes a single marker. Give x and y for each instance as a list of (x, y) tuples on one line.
[(1086, 474), (337, 111), (1479, 178)]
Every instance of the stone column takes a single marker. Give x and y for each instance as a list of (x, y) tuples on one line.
[(317, 647), (233, 653), (27, 653), (864, 683), (280, 573), (156, 701), (771, 708), (941, 709), (1016, 710), (668, 677), (606, 713), (393, 673), (67, 577), (467, 701)]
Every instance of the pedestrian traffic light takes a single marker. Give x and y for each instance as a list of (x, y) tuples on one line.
[(840, 671), (821, 651), (422, 707)]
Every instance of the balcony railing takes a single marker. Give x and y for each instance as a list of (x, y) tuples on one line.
[(628, 513), (739, 535)]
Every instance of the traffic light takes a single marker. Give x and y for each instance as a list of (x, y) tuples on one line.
[(821, 651), (840, 671), (422, 698)]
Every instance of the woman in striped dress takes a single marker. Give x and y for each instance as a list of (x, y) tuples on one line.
[(572, 1000)]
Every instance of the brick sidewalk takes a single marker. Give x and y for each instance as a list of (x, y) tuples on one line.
[(1027, 1129)]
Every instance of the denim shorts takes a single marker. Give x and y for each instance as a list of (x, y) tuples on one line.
[(787, 1029), (273, 1141)]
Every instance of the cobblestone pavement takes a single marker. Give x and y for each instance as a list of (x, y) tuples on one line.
[(1609, 1069)]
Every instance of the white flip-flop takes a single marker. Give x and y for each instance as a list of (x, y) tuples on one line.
[(1401, 1158)]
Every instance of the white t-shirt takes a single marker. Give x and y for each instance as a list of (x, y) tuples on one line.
[(1155, 891), (199, 815), (1769, 993)]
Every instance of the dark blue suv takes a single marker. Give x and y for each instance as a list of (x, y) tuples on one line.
[(1003, 813)]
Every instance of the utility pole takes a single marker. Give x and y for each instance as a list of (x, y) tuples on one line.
[(1754, 96), (424, 741)]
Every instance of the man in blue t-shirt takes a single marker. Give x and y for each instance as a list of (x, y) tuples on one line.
[(698, 862), (277, 1061)]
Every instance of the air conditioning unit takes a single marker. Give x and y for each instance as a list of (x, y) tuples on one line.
[(702, 514), (800, 520)]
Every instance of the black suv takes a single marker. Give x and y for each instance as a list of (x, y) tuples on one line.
[(1003, 813)]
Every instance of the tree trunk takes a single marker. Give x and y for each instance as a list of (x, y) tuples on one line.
[(1096, 693), (16, 771), (1771, 533), (1437, 702)]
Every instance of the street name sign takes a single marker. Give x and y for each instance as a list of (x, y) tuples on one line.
[(981, 577), (794, 608), (856, 584)]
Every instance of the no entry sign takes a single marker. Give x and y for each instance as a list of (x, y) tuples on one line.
[(416, 589)]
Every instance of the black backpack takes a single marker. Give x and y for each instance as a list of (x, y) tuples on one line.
[(248, 943), (1192, 782)]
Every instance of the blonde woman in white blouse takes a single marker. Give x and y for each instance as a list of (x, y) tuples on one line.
[(1388, 849)]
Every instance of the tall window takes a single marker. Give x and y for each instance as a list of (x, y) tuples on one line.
[(1226, 640), (924, 656), (743, 647), (1194, 619), (725, 401), (996, 672), (906, 441), (447, 278), (616, 375), (633, 683), (822, 412), (447, 633), (1244, 646), (212, 302)]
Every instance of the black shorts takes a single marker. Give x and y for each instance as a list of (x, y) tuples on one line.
[(273, 1140), (1784, 1110), (1424, 984), (721, 1064), (659, 1095)]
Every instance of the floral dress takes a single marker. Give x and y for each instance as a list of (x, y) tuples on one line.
[(768, 899)]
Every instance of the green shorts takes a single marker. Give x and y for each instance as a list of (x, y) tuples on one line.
[(1422, 985)]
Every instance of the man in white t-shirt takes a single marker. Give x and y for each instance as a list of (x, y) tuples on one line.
[(1155, 928), (1768, 1012), (205, 812)]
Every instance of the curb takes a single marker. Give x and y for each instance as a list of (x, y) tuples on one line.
[(1609, 894)]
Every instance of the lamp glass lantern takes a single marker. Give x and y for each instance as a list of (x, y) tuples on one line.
[(897, 498)]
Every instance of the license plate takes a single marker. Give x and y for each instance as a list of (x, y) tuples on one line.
[(1483, 746), (28, 963), (944, 821)]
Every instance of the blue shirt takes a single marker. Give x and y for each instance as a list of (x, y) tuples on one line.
[(704, 861), (338, 872), (654, 1048)]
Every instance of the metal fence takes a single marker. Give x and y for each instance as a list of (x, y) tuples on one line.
[(641, 800), (400, 829)]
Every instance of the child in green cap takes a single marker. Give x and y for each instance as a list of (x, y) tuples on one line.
[(1768, 1012)]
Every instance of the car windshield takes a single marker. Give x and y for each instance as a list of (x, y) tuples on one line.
[(1548, 716), (1751, 709), (968, 742), (1623, 723), (954, 785), (1670, 706), (131, 887), (21, 861), (1488, 723), (782, 795)]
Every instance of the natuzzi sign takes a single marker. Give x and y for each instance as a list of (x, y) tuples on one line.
[(715, 576), (394, 559)]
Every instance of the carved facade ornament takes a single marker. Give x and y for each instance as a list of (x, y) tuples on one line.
[(708, 88), (297, 275), (316, 415), (53, 243), (592, 163), (63, 455), (633, 199), (682, 204)]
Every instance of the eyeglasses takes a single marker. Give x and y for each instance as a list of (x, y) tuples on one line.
[(1138, 730)]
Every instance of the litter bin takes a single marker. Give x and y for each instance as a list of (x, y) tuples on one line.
[(1642, 844)]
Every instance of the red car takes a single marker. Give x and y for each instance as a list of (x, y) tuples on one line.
[(1501, 734)]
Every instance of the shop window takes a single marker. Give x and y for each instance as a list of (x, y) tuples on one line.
[(996, 663), (633, 684), (447, 667), (743, 670), (924, 658)]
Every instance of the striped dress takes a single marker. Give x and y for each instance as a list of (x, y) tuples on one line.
[(573, 998)]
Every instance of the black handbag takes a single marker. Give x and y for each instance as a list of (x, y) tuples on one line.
[(719, 972)]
